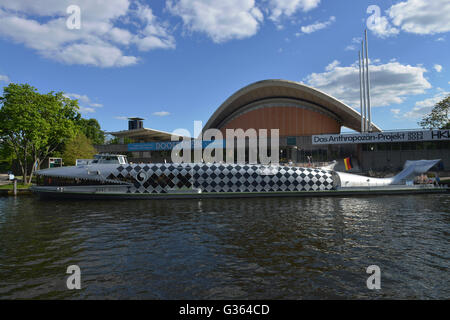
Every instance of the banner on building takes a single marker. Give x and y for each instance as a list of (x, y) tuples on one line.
[(382, 137), (169, 145)]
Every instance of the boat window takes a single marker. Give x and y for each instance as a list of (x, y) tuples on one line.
[(110, 159), (122, 160), (68, 181)]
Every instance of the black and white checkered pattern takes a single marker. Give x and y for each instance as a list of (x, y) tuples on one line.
[(210, 178)]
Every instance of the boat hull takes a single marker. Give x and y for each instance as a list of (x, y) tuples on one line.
[(199, 181), (67, 193)]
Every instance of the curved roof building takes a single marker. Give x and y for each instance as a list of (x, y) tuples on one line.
[(292, 107)]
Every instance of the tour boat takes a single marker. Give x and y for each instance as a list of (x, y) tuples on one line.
[(111, 176)]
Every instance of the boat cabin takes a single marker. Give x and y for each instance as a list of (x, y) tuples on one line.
[(109, 159)]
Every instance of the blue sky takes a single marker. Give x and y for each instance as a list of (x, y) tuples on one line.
[(174, 62)]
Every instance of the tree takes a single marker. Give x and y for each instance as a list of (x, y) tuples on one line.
[(91, 129), (438, 117), (124, 140), (6, 156), (78, 147), (34, 124)]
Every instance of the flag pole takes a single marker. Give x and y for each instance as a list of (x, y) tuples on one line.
[(369, 112), (361, 102), (364, 88)]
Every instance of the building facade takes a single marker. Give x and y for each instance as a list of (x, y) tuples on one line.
[(300, 113)]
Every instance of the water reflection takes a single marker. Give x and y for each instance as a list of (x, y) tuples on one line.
[(265, 248)]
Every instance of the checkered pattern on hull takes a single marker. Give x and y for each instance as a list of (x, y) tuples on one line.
[(211, 178)]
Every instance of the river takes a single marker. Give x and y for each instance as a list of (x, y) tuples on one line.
[(269, 248)]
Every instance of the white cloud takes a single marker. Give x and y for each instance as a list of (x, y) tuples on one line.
[(111, 28), (383, 29), (41, 25), (437, 67), (391, 83), (317, 26), (86, 110), (421, 16), (121, 118), (396, 111), (4, 78), (86, 104), (98, 9), (332, 65), (424, 107), (356, 42), (279, 8), (161, 113), (153, 35), (100, 54), (432, 101), (220, 20)]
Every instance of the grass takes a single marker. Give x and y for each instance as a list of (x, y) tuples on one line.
[(11, 186)]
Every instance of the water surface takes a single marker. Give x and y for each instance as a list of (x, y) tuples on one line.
[(273, 248)]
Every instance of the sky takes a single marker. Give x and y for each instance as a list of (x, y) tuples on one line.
[(174, 62)]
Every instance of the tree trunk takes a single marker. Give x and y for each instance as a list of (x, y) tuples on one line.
[(25, 166), (24, 173), (22, 166), (31, 173), (35, 167)]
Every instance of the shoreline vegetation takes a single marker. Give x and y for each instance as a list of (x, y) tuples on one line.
[(36, 126), (20, 186)]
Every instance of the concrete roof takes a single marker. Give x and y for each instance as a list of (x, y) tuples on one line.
[(145, 134), (269, 89)]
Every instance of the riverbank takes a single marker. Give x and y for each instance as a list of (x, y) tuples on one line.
[(8, 189), (6, 192)]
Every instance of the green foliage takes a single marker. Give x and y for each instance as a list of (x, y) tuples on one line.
[(33, 125), (10, 186), (439, 116), (6, 157), (91, 129), (79, 147), (116, 140)]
